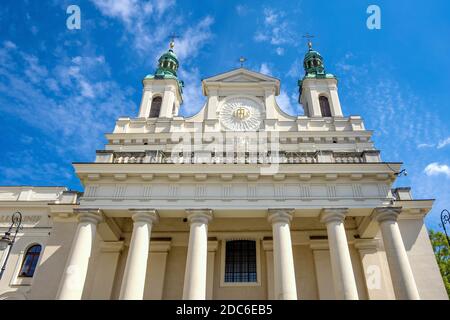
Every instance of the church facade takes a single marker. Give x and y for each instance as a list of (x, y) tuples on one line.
[(240, 201)]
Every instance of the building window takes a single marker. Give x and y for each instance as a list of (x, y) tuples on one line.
[(30, 261), (324, 106), (240, 261), (155, 107)]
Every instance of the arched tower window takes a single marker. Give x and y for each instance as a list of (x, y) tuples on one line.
[(30, 261), (324, 106), (155, 107)]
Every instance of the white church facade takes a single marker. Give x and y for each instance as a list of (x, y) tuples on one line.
[(240, 201)]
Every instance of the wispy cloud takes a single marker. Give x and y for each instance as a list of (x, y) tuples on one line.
[(265, 69), (193, 99), (435, 168), (405, 126), (443, 143), (72, 99), (285, 103), (275, 29), (241, 9), (194, 38)]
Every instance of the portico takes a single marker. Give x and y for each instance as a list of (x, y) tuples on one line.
[(279, 272)]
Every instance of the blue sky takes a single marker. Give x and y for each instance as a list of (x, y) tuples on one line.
[(61, 90)]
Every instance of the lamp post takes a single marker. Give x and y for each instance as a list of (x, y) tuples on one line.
[(6, 240), (445, 218)]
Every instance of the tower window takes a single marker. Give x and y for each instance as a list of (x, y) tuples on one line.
[(155, 107), (30, 261), (240, 261), (324, 106)]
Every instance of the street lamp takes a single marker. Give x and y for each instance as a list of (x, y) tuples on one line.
[(7, 240), (445, 218)]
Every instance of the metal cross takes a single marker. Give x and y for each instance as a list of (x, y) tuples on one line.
[(309, 37), (242, 60)]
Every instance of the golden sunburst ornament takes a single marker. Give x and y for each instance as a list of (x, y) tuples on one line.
[(241, 114)]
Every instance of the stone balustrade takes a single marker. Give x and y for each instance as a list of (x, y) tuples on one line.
[(324, 156)]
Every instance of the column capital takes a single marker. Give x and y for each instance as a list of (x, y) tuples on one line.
[(199, 215), (332, 215), (386, 214), (145, 215), (280, 215), (92, 215)]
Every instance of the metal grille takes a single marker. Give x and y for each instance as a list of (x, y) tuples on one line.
[(240, 261)]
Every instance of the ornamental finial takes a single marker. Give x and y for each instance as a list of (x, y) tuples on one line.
[(309, 37), (172, 41)]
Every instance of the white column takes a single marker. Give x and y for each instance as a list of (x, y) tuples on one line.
[(133, 281), (341, 264), (402, 277), (284, 272), (74, 276), (196, 263)]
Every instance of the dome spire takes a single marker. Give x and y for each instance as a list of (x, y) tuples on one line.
[(313, 61), (168, 65)]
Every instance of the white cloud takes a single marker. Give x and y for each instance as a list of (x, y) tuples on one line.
[(194, 38), (425, 145), (163, 5), (125, 10), (265, 69), (285, 103), (140, 19), (73, 102), (193, 99), (295, 69), (435, 168), (279, 51), (9, 44), (443, 143), (276, 29), (241, 9), (149, 25)]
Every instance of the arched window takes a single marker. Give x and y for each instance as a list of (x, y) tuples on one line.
[(240, 261), (155, 107), (324, 106), (30, 261)]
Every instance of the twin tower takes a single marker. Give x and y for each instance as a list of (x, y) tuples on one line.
[(163, 91)]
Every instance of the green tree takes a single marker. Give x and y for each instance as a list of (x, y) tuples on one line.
[(442, 252)]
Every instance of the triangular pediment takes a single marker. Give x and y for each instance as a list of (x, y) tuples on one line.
[(241, 75)]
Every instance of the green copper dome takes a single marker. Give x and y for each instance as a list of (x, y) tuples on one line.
[(313, 63), (167, 67), (167, 64), (314, 67)]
